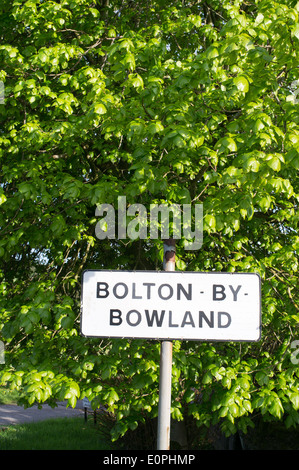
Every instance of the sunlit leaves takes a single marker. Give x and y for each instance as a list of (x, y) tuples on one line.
[(241, 83), (169, 102)]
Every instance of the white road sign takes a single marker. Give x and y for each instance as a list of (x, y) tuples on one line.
[(171, 305), (86, 403)]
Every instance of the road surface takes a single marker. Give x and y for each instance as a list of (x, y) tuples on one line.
[(13, 414)]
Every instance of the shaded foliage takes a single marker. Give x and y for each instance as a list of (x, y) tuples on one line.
[(160, 101)]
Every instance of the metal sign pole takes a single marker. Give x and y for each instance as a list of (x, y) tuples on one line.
[(163, 440)]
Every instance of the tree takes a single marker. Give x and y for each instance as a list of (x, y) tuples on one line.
[(184, 102)]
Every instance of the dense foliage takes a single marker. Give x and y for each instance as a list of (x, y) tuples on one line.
[(157, 100)]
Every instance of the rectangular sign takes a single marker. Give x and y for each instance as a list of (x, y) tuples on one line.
[(171, 305), (86, 403)]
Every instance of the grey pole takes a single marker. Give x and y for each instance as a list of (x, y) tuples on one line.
[(163, 440)]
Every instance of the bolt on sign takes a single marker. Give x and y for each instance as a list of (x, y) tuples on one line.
[(171, 305)]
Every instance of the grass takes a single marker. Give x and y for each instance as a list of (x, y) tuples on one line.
[(55, 434)]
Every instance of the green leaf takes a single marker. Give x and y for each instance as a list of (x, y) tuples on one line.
[(99, 108), (196, 20), (274, 163), (42, 56), (295, 31), (189, 396), (223, 411), (217, 372), (226, 382), (26, 189), (251, 164), (136, 81), (276, 408), (294, 397), (58, 225), (241, 83), (176, 414), (2, 197), (265, 203), (210, 221), (262, 378), (226, 144), (212, 52), (207, 378), (247, 405), (234, 410), (155, 127), (246, 207)]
